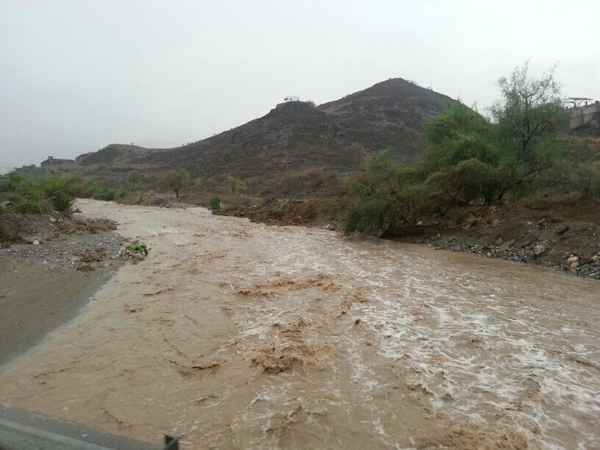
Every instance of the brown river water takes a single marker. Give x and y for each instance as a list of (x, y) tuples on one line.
[(237, 335)]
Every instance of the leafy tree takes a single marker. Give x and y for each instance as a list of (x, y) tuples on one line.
[(466, 159), (133, 178), (459, 134), (529, 117), (235, 184), (176, 180)]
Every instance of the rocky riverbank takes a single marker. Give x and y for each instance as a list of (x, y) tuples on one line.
[(560, 233)]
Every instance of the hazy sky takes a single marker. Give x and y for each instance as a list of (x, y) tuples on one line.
[(78, 75)]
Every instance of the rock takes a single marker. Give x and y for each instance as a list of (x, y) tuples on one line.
[(541, 223), (36, 242), (505, 246), (456, 248), (528, 240), (573, 261), (556, 219), (499, 242), (540, 249), (562, 230)]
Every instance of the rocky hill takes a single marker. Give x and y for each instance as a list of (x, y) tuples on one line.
[(291, 149), (387, 115)]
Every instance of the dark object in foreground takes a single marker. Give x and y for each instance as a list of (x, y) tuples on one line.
[(20, 429)]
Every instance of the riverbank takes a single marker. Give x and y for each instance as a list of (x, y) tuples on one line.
[(50, 275)]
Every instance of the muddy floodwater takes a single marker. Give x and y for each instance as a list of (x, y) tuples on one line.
[(237, 335)]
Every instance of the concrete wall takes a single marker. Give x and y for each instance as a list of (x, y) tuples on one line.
[(583, 115)]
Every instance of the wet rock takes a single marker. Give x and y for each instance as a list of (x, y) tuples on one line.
[(528, 240), (506, 245)]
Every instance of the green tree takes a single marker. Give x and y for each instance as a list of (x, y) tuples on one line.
[(133, 178), (466, 160), (176, 180), (235, 184), (459, 134), (529, 117)]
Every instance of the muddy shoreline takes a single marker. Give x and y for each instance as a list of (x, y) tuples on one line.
[(48, 282)]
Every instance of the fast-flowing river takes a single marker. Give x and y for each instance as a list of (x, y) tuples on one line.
[(238, 335)]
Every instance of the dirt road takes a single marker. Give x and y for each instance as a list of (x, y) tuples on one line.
[(237, 335)]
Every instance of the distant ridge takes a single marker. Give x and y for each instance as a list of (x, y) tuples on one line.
[(293, 145)]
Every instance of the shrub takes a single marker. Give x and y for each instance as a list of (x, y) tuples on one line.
[(215, 203), (104, 193)]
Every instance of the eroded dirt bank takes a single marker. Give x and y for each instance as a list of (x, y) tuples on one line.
[(237, 335)]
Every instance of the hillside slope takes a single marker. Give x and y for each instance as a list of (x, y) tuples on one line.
[(387, 115)]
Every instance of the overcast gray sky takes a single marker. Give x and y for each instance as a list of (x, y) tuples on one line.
[(78, 75)]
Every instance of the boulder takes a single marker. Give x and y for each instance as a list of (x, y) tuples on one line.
[(573, 261)]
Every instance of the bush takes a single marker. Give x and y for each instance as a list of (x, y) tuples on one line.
[(25, 206), (54, 193), (104, 193), (215, 203), (387, 198)]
